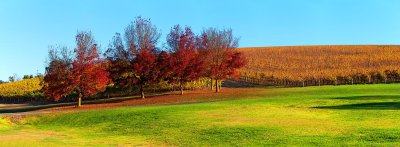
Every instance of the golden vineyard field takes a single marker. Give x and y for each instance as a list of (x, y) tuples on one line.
[(314, 65), (20, 90)]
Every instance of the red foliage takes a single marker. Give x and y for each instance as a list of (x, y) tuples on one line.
[(235, 61), (56, 80), (219, 51), (144, 65), (138, 63), (88, 73), (85, 75), (164, 66), (150, 67), (186, 62)]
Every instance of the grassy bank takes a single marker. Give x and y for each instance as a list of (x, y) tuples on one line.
[(327, 115)]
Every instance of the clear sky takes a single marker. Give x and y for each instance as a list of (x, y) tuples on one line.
[(28, 27)]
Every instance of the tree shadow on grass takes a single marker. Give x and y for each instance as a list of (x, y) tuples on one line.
[(365, 106), (392, 105), (28, 107), (369, 97)]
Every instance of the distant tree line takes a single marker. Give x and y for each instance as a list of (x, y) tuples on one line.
[(133, 59), (15, 77)]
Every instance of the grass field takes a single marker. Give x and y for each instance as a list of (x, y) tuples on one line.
[(310, 116)]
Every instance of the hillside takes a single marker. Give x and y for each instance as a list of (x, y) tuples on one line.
[(350, 115), (329, 64), (21, 90)]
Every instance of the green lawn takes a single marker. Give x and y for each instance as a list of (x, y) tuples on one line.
[(313, 116)]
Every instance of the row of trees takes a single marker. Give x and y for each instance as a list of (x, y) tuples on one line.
[(134, 60), (388, 76)]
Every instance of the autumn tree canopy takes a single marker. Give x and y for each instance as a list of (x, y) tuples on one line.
[(187, 65), (83, 73), (132, 59), (58, 71), (140, 62), (221, 58)]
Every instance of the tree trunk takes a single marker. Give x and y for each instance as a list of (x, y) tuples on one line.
[(79, 100), (141, 91), (216, 86), (219, 85), (212, 86), (181, 87)]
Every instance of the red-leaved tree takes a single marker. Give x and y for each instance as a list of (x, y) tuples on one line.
[(83, 75), (186, 62), (119, 63), (218, 47), (58, 71), (139, 63), (88, 73)]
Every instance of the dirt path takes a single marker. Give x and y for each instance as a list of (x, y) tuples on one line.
[(168, 99), (196, 96)]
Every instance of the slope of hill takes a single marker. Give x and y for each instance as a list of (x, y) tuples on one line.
[(21, 90), (313, 65), (350, 115)]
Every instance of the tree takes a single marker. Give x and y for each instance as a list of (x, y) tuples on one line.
[(140, 62), (186, 62), (13, 78), (84, 76), (141, 38), (27, 77), (222, 60), (88, 73), (39, 75), (119, 63), (56, 80)]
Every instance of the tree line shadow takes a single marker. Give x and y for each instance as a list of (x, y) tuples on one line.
[(394, 104), (51, 104), (369, 97)]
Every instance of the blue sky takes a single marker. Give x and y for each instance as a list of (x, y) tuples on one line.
[(28, 27)]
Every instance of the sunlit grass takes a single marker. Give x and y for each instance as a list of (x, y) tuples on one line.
[(4, 124), (329, 115)]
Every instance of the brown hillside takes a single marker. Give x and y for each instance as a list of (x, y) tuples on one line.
[(299, 63)]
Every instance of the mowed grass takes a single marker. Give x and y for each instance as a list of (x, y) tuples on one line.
[(352, 115)]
